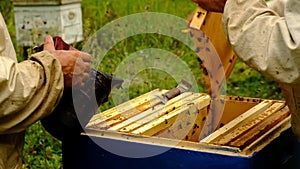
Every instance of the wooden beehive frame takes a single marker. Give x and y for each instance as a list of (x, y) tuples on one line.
[(216, 59), (249, 126), (215, 72), (177, 119)]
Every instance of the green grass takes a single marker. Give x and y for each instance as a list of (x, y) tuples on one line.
[(43, 151)]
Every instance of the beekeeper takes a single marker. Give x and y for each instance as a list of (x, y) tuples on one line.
[(31, 89), (268, 40)]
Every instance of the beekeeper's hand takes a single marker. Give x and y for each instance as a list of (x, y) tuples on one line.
[(211, 5), (76, 65)]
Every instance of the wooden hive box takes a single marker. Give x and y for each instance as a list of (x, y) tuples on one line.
[(252, 133)]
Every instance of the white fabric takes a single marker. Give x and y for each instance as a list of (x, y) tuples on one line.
[(6, 46), (30, 90), (278, 6), (269, 43)]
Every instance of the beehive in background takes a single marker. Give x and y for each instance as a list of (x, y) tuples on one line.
[(34, 19)]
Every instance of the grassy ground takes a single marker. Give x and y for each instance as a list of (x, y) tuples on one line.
[(43, 151)]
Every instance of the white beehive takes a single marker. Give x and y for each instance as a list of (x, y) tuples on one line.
[(36, 19), (43, 2)]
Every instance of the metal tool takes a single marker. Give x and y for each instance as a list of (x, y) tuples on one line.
[(182, 87)]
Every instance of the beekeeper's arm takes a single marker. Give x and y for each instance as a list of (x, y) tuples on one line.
[(267, 42), (31, 89)]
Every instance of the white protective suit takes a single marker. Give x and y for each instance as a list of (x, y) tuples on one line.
[(269, 41), (30, 90)]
